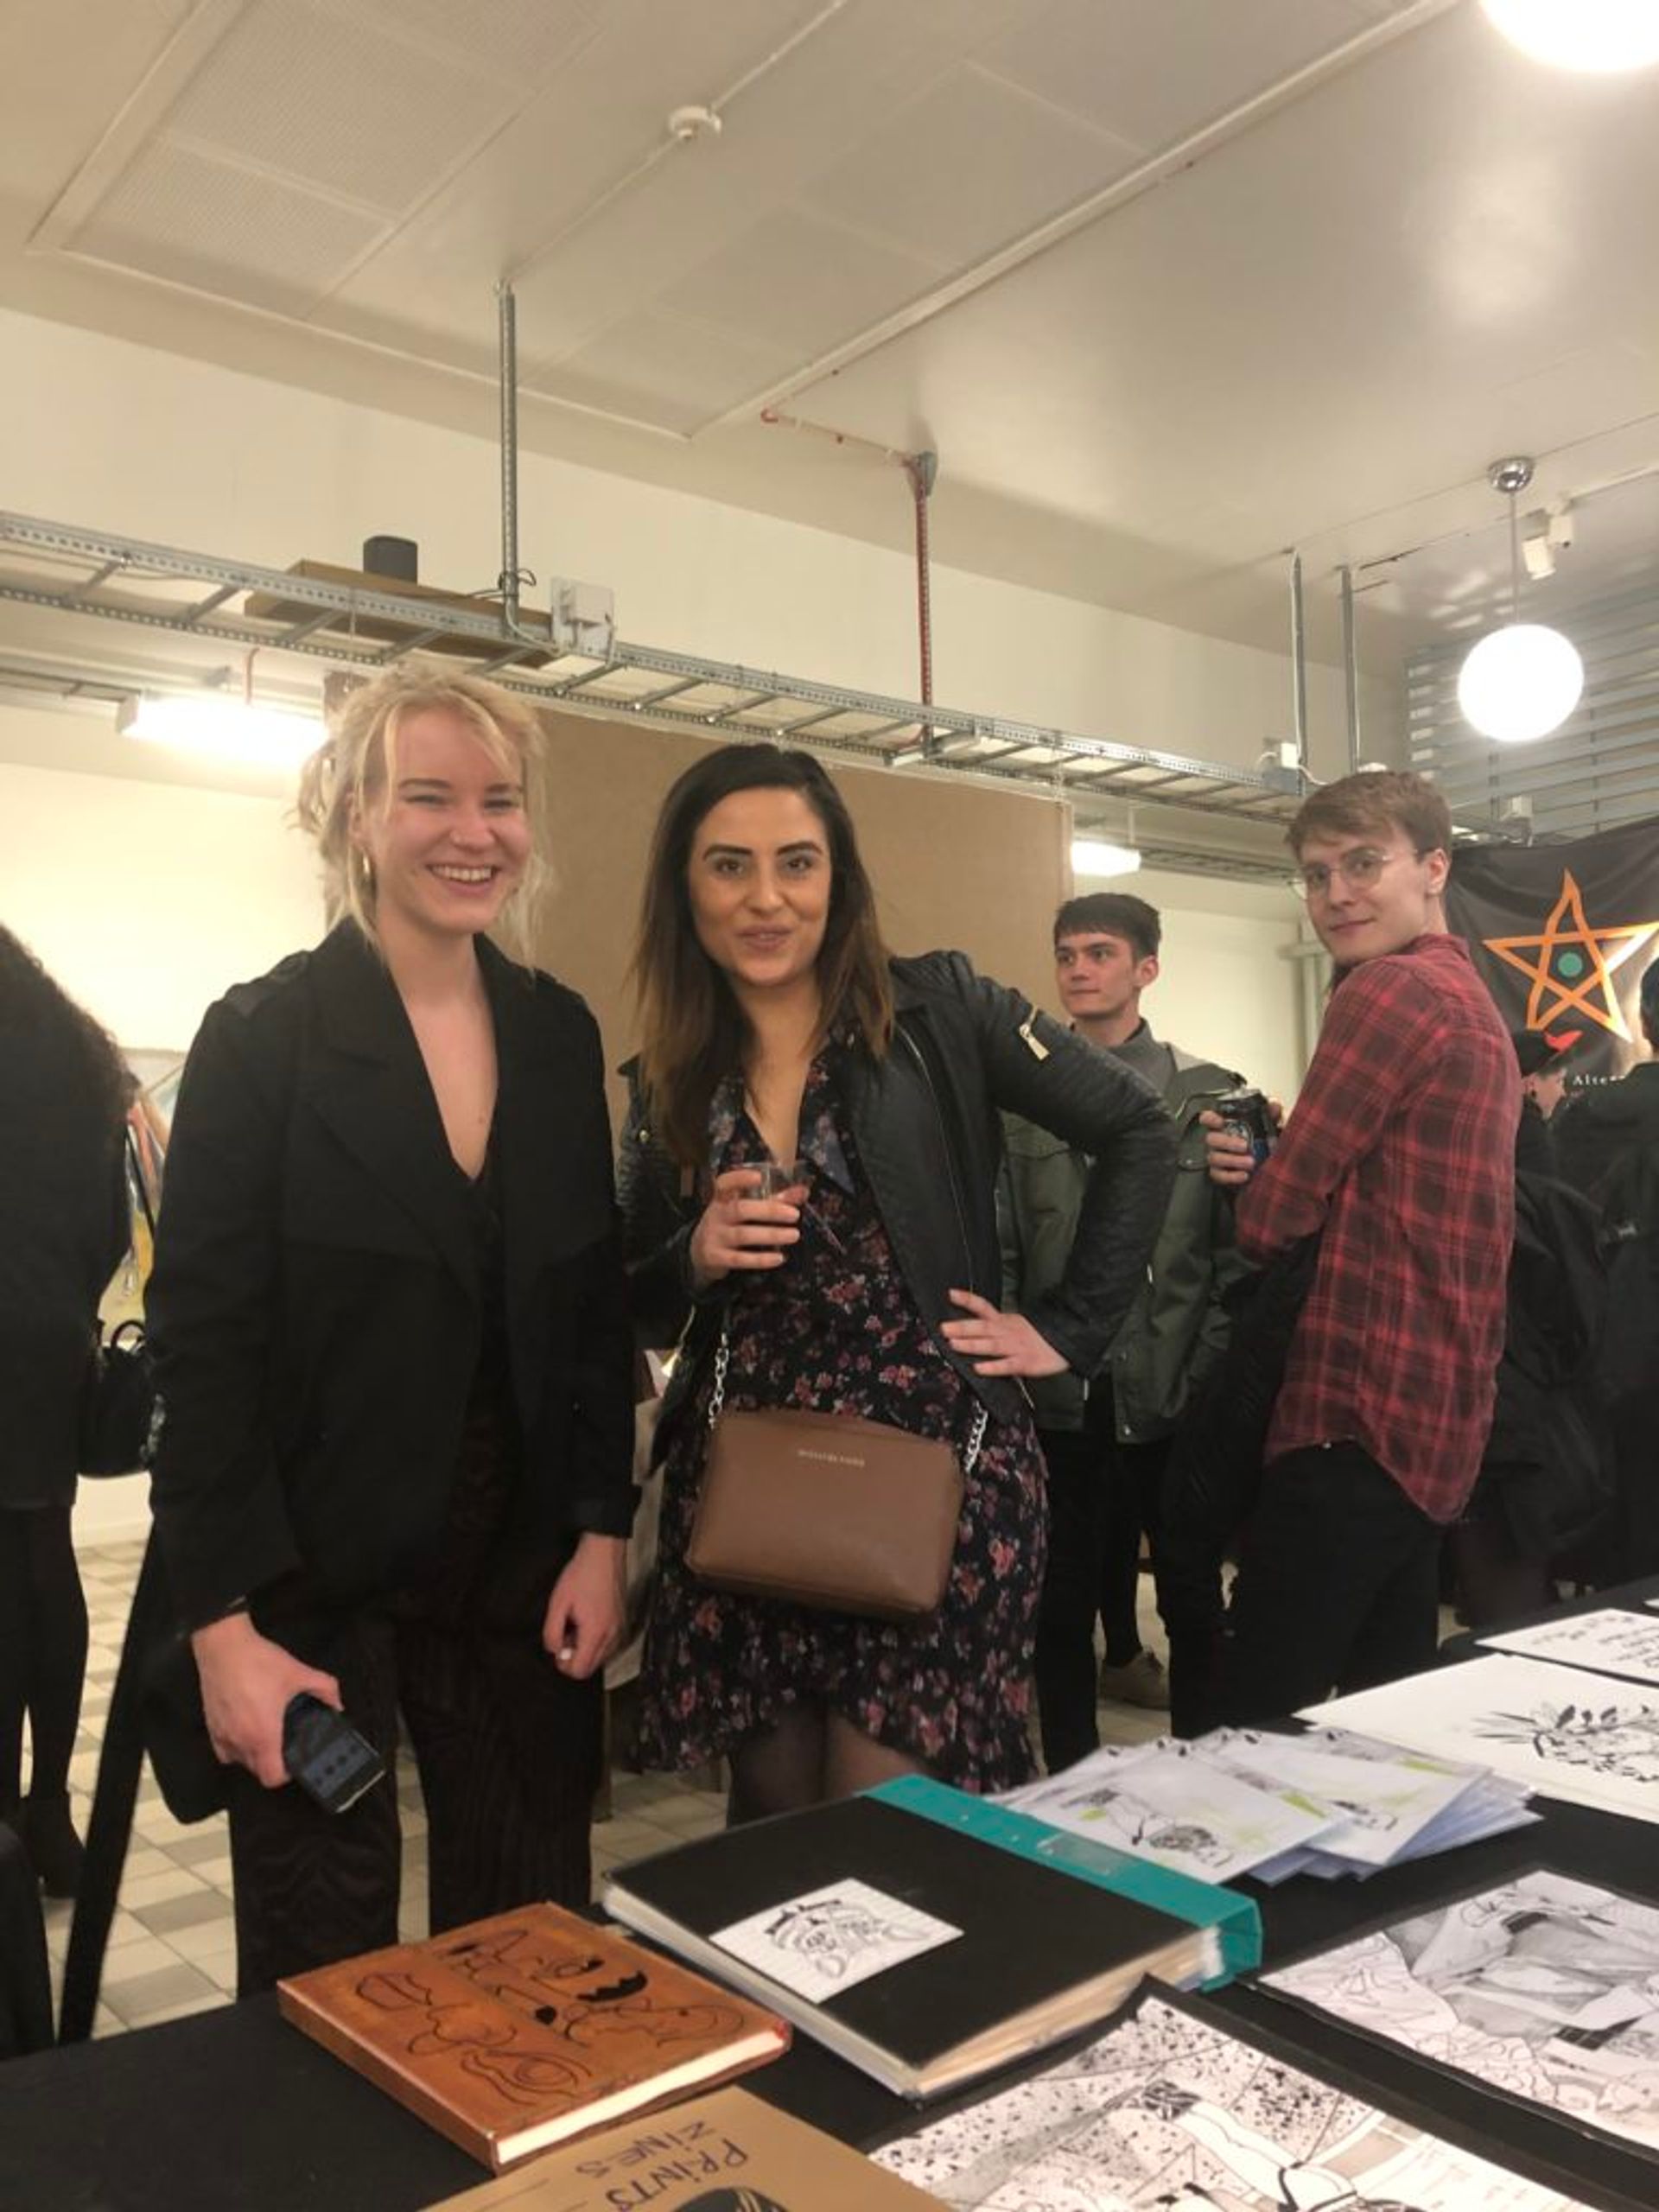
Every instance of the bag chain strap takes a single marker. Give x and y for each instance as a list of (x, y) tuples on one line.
[(717, 1398)]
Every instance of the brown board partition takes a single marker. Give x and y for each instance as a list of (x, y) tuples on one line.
[(953, 864)]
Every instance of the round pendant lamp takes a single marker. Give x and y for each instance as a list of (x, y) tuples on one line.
[(1522, 682), (1590, 35)]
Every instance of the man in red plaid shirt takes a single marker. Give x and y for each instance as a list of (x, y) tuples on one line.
[(1400, 1154)]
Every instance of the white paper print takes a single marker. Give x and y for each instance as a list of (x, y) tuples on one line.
[(823, 1943), (1582, 1737), (1169, 2113), (1164, 1803), (1544, 1987), (1613, 1642)]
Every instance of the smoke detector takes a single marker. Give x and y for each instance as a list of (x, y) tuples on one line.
[(685, 123)]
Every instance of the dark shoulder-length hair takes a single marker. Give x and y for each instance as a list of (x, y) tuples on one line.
[(692, 1030), (38, 1017)]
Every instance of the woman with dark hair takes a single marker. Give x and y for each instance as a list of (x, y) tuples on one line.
[(392, 1351), (778, 1035), (64, 1225)]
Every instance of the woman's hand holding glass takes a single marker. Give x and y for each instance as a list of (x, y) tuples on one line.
[(741, 1227)]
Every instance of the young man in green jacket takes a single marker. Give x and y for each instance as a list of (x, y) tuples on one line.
[(1106, 1441)]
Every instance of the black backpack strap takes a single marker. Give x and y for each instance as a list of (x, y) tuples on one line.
[(118, 1768)]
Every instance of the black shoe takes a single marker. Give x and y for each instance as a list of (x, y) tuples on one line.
[(54, 1850)]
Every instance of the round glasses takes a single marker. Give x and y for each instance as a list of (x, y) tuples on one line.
[(1359, 870)]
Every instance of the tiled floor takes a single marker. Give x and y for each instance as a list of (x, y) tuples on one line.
[(172, 1946)]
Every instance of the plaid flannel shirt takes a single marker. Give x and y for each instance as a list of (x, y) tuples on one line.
[(1401, 1149)]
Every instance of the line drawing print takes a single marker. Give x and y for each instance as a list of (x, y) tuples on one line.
[(1589, 1739), (1609, 1640), (827, 1940), (1168, 2111), (1544, 1987), (1619, 1741)]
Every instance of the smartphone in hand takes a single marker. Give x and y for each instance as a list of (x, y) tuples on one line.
[(327, 1757)]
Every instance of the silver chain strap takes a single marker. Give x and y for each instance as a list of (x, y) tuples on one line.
[(722, 1361), (717, 1398)]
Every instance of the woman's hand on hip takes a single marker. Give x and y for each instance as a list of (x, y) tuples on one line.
[(737, 1229), (247, 1683), (998, 1343), (588, 1611)]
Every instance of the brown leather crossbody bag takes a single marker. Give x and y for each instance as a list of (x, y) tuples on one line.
[(827, 1510)]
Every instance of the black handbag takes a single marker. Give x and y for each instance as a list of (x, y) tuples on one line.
[(118, 1402)]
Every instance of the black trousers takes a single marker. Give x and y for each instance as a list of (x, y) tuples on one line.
[(508, 1751), (1134, 1510), (1101, 1496), (1337, 1586)]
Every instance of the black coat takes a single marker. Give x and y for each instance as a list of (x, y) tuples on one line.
[(315, 1307), (925, 1121), (63, 1227)]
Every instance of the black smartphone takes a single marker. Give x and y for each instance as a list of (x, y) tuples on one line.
[(326, 1755)]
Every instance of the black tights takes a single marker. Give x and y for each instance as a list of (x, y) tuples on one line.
[(42, 1648), (807, 1757)]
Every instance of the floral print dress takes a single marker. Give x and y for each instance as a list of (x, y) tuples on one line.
[(834, 1330)]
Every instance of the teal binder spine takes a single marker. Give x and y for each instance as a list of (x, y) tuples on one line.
[(1235, 1919)]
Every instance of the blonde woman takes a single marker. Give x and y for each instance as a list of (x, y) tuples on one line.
[(393, 1359)]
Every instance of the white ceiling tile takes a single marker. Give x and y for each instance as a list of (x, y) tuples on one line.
[(1155, 70), (336, 104), (181, 215), (966, 168), (662, 369), (517, 40), (805, 284)]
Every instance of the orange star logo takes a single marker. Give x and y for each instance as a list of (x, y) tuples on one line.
[(1572, 966)]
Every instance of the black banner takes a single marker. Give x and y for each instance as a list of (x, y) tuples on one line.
[(1561, 934)]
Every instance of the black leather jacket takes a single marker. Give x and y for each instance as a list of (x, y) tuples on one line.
[(925, 1121)]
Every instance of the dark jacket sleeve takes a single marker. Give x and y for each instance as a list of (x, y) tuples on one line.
[(597, 1484), (1034, 1067), (657, 1226), (216, 1491)]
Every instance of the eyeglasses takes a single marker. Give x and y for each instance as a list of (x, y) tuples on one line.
[(1359, 870)]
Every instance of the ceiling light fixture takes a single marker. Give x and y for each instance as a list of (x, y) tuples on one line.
[(1521, 681), (1098, 856), (222, 729), (1599, 35)]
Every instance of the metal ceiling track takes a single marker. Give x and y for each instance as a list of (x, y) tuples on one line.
[(568, 656)]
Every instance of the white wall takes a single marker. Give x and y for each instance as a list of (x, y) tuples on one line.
[(122, 438), (146, 901), (1226, 987)]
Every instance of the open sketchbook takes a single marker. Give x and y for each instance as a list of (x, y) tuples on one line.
[(1170, 2112), (1542, 1987), (1569, 1734)]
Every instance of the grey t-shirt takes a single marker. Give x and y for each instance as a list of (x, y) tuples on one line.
[(1146, 1057)]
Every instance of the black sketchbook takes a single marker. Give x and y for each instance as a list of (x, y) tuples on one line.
[(1040, 1952)]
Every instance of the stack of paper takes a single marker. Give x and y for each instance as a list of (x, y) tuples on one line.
[(1239, 1802), (1403, 1804)]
